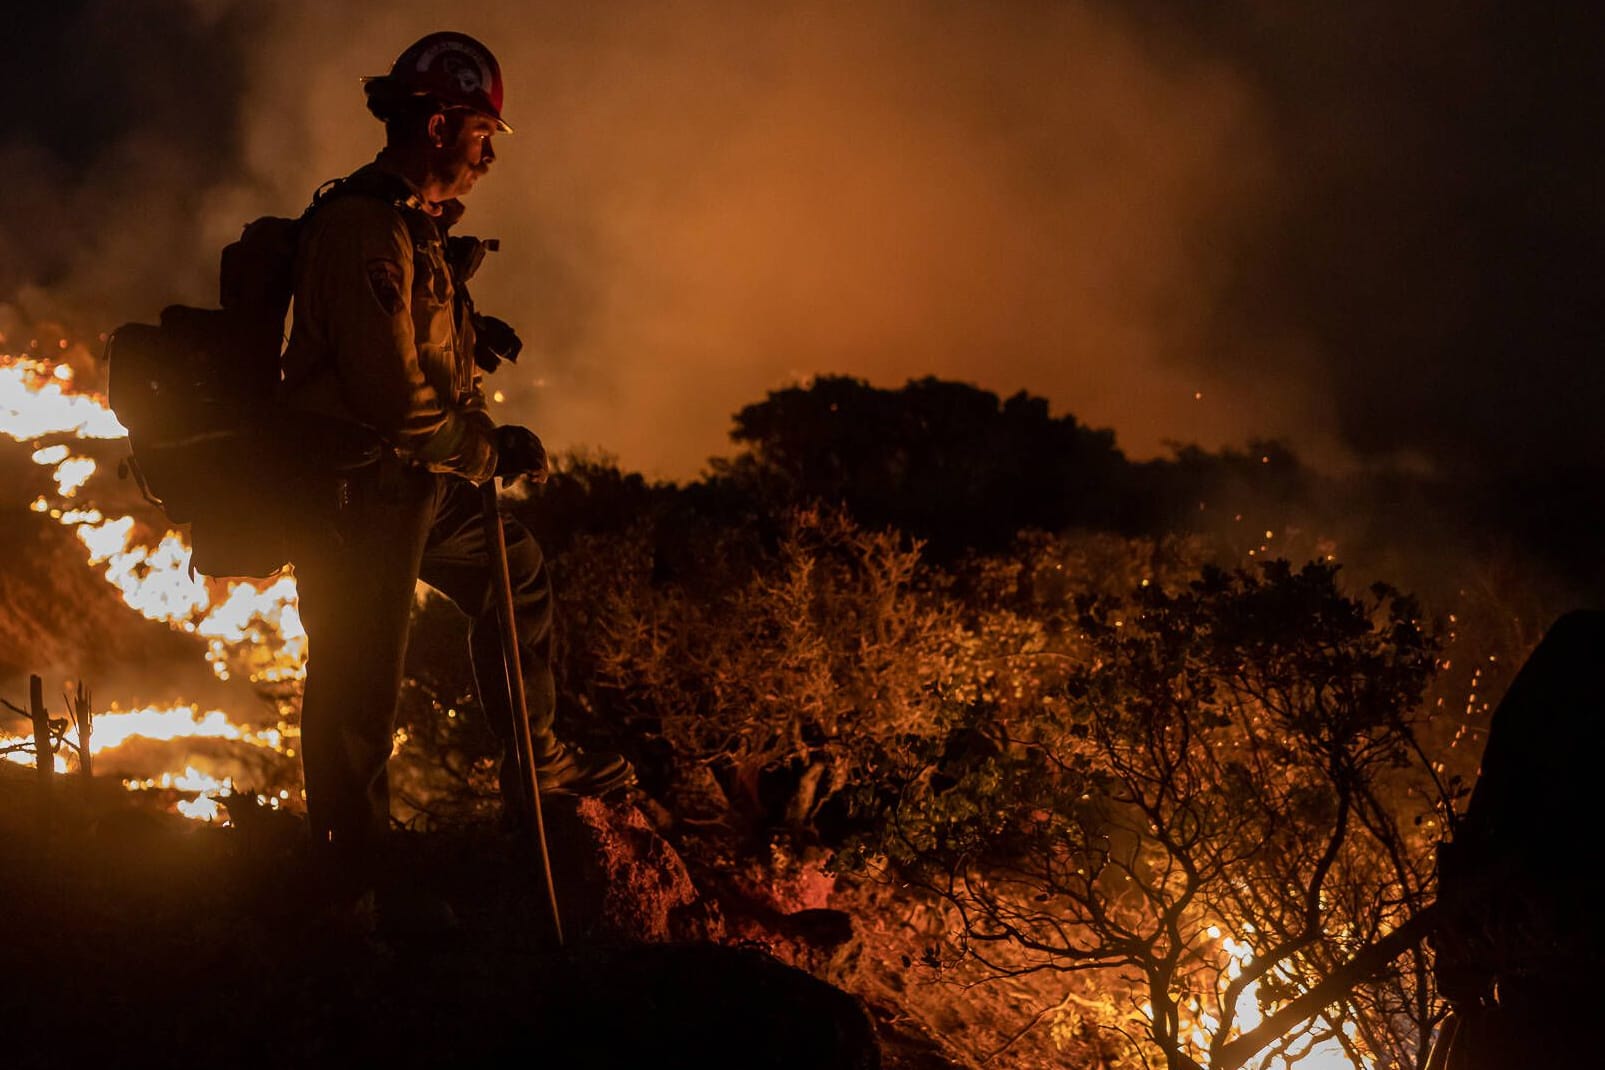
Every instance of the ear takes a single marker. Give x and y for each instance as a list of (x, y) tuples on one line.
[(435, 129)]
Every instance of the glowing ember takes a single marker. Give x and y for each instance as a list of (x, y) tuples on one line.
[(190, 779)]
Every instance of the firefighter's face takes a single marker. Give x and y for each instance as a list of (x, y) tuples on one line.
[(463, 151)]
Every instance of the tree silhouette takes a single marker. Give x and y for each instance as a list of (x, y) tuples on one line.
[(943, 461), (952, 465)]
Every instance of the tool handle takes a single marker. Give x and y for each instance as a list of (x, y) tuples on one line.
[(501, 580)]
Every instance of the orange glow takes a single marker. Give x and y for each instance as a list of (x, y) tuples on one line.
[(242, 627)]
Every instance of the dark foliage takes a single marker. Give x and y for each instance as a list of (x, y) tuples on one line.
[(939, 460), (954, 466)]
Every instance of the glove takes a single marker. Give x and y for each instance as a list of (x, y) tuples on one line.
[(494, 342), (519, 452), (464, 255)]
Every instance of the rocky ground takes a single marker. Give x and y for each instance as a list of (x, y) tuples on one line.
[(138, 938)]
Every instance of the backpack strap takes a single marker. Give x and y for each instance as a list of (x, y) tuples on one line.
[(367, 182)]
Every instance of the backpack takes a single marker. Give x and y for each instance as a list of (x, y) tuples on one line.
[(212, 445)]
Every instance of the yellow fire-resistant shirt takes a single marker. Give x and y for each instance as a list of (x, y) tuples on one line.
[(378, 338)]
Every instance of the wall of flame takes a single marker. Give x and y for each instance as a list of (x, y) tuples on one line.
[(248, 628)]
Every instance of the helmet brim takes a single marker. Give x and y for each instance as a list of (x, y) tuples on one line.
[(502, 125)]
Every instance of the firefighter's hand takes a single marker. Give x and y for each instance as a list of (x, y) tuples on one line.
[(465, 254), (519, 452), (494, 342)]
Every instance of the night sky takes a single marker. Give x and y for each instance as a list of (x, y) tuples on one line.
[(1371, 229)]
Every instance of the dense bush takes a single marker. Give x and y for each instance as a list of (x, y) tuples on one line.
[(1168, 790), (1102, 749), (1216, 767)]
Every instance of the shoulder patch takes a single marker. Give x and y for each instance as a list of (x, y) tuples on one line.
[(384, 280)]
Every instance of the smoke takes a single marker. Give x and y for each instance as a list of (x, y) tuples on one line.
[(1372, 232), (706, 201), (123, 136), (1434, 239)]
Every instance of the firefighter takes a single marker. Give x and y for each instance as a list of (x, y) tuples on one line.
[(382, 337)]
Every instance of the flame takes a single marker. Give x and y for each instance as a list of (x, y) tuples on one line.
[(1198, 1025), (73, 473), (203, 808), (112, 728), (250, 628), (37, 399)]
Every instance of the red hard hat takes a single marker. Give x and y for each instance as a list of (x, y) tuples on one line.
[(453, 68)]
